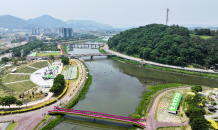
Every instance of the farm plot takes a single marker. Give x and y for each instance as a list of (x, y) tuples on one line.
[(40, 64), (25, 69)]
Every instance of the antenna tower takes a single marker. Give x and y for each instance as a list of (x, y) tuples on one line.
[(167, 16)]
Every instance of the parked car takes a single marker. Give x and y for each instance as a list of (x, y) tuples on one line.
[(46, 94)]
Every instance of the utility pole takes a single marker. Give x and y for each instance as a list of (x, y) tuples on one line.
[(167, 16)]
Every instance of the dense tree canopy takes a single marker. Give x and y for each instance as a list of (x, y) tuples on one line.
[(65, 60), (4, 59), (205, 31), (166, 44), (38, 45), (58, 83)]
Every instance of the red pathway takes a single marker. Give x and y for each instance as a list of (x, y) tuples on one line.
[(152, 123)]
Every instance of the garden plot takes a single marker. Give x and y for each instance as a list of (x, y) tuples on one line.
[(40, 64), (162, 109), (70, 72)]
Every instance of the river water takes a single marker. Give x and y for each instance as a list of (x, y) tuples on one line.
[(116, 89)]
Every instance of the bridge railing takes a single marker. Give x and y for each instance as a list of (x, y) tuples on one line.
[(97, 116), (98, 113)]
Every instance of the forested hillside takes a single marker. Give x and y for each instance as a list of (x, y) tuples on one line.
[(166, 44)]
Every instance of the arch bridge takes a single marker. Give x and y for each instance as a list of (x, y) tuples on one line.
[(98, 115)]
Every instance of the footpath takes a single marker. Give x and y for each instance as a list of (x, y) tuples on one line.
[(106, 48)]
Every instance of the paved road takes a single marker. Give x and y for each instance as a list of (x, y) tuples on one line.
[(29, 120), (106, 48), (151, 122)]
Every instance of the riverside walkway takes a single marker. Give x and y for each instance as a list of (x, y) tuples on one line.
[(106, 48), (98, 115)]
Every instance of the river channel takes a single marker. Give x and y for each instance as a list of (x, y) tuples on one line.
[(116, 89)]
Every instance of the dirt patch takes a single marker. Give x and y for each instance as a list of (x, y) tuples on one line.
[(162, 114)]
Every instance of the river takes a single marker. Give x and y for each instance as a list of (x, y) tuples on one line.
[(116, 89)]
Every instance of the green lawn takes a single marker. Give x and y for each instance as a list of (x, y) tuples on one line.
[(202, 36), (12, 126), (47, 54)]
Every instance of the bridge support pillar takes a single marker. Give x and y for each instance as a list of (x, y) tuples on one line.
[(94, 119), (95, 46), (91, 57)]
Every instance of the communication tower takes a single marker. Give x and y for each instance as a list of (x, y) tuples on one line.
[(167, 16)]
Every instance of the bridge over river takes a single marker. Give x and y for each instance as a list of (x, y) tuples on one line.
[(98, 115), (71, 56)]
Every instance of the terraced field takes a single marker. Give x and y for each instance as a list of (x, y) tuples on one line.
[(40, 65), (16, 77), (25, 69)]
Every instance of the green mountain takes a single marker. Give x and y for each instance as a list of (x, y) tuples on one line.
[(166, 44), (47, 21), (88, 24), (9, 21)]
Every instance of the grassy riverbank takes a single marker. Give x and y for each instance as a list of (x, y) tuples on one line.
[(53, 123), (213, 76), (101, 50), (149, 96)]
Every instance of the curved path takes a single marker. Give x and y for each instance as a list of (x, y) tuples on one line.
[(106, 48), (152, 123), (27, 121)]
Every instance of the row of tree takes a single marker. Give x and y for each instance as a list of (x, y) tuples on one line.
[(9, 100), (166, 44), (196, 114), (205, 31), (37, 45)]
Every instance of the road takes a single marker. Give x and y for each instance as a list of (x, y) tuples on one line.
[(106, 48), (27, 121)]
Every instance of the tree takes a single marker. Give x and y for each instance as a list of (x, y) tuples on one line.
[(19, 103), (5, 60), (58, 83), (196, 88), (200, 123), (8, 100), (51, 57), (15, 61), (65, 60)]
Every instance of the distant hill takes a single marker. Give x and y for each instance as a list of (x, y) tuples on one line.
[(9, 21), (88, 24), (47, 21)]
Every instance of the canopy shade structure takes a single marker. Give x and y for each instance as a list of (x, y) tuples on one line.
[(175, 103)]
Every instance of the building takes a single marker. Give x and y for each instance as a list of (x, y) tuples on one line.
[(29, 38), (65, 32), (35, 31), (47, 32), (54, 30)]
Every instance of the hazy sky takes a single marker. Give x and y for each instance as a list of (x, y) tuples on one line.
[(131, 12)]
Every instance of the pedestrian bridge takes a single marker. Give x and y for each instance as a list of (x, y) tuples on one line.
[(98, 115)]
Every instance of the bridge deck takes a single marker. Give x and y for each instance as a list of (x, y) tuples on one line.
[(98, 116), (98, 113)]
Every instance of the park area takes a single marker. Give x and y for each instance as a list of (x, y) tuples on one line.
[(48, 54), (162, 113), (18, 82)]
